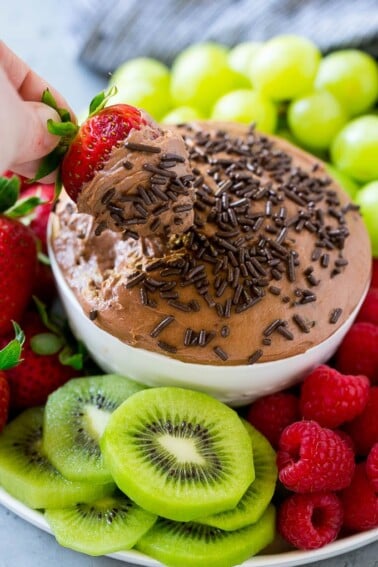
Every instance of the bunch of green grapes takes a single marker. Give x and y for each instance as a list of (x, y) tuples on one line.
[(325, 105)]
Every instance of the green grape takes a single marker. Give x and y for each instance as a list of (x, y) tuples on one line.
[(349, 186), (355, 149), (315, 119), (285, 67), (246, 106), (201, 74), (367, 198), (181, 114), (241, 56), (144, 83), (352, 77)]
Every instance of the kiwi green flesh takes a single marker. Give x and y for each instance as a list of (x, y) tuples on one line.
[(27, 474), (75, 417), (178, 453), (258, 495), (109, 524), (190, 544)]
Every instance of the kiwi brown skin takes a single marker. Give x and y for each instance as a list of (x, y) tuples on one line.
[(178, 453)]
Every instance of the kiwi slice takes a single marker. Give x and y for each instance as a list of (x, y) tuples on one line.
[(178, 453), (259, 494), (179, 544), (106, 525), (75, 418), (27, 474)]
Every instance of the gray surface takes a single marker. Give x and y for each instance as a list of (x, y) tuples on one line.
[(37, 31)]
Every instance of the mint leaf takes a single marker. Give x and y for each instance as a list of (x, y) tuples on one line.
[(10, 355), (9, 191)]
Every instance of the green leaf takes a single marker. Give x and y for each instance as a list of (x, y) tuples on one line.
[(43, 258), (68, 358), (9, 191), (46, 320), (50, 163), (24, 207), (58, 185), (10, 355), (49, 99), (101, 100), (66, 129), (46, 343)]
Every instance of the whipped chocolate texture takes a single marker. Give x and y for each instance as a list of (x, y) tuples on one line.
[(272, 261), (144, 188)]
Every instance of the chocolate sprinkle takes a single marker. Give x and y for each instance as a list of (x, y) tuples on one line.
[(167, 347), (255, 356), (142, 148), (161, 326), (335, 315), (93, 314), (220, 353)]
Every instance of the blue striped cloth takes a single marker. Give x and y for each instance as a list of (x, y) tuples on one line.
[(111, 31)]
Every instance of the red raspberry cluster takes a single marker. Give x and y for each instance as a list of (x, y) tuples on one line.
[(326, 437)]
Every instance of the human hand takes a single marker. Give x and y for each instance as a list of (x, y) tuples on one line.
[(24, 138)]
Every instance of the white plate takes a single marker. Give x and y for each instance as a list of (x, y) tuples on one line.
[(287, 559)]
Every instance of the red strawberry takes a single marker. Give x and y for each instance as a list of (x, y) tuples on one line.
[(374, 280), (4, 399), (37, 375), (18, 260), (40, 215), (369, 309), (358, 353), (44, 284), (89, 146), (18, 255)]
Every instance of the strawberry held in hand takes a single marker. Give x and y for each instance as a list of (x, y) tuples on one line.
[(125, 171)]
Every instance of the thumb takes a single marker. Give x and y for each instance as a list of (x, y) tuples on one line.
[(34, 140)]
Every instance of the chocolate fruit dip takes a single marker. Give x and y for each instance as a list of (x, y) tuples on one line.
[(273, 261)]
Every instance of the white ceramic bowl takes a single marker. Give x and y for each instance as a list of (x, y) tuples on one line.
[(235, 385)]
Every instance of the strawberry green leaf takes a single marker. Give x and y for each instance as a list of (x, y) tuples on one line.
[(68, 358), (46, 343), (50, 163), (64, 129), (101, 100), (24, 207), (46, 320), (43, 258), (10, 355), (58, 184), (47, 98), (9, 191)]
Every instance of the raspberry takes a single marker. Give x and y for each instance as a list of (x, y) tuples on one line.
[(309, 521), (372, 466), (271, 414), (331, 398), (369, 309), (360, 502), (358, 353), (313, 459), (364, 429)]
